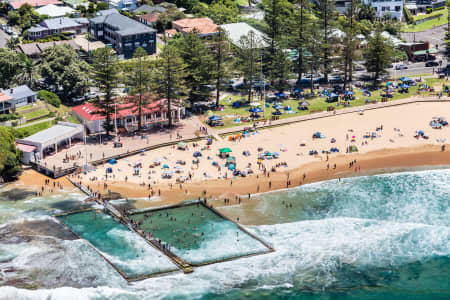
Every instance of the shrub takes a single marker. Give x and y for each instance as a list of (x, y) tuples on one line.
[(50, 98), (408, 16), (9, 117), (429, 10)]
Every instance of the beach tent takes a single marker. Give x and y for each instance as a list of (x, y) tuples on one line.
[(304, 103), (215, 118), (277, 106), (112, 161), (165, 166), (236, 104), (281, 95), (225, 150), (181, 146), (403, 86), (277, 113), (297, 90), (405, 79), (255, 104), (352, 148), (349, 93), (197, 154)]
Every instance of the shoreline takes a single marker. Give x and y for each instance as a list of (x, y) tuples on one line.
[(370, 163)]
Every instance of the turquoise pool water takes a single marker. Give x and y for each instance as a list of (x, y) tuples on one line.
[(125, 249), (197, 234)]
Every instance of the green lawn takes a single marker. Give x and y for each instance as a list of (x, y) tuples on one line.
[(243, 2), (36, 114), (317, 104), (30, 130), (428, 24)]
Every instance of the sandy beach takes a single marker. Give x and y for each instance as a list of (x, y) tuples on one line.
[(393, 146)]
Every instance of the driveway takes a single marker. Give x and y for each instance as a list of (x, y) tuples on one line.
[(4, 37), (435, 36)]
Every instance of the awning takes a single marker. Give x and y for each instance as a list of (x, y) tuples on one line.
[(225, 150), (424, 52), (25, 148)]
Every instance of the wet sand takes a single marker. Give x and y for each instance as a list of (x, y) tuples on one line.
[(366, 164)]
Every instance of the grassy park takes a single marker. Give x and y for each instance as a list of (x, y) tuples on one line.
[(428, 24), (317, 104)]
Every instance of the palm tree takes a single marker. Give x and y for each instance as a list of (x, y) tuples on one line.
[(12, 43)]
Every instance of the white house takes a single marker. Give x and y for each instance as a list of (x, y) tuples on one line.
[(54, 11), (393, 8), (16, 97)]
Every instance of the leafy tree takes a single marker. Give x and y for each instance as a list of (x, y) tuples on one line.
[(169, 76), (276, 16), (378, 54), (248, 54), (12, 43), (13, 17), (105, 74), (62, 69), (25, 17), (221, 58), (10, 166), (367, 12), (198, 61), (163, 22), (138, 77), (27, 69), (327, 14), (10, 67), (223, 12), (102, 6)]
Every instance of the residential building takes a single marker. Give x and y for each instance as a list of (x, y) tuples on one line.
[(76, 3), (420, 6), (204, 26), (54, 11), (16, 4), (149, 19), (58, 25), (420, 51), (122, 4), (34, 50), (124, 34), (383, 8), (148, 9), (154, 115), (16, 97), (236, 31)]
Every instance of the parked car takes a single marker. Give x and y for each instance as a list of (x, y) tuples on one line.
[(401, 67), (15, 35), (78, 99), (8, 30), (431, 64)]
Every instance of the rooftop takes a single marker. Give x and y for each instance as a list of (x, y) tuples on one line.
[(149, 9), (19, 92), (151, 18), (16, 4), (54, 133), (4, 97), (37, 48), (123, 24), (52, 10), (236, 30), (202, 25)]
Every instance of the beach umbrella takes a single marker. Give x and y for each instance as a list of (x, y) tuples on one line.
[(280, 95), (112, 161), (389, 83), (304, 103), (252, 110), (225, 150), (349, 93), (298, 90), (197, 154), (165, 166), (277, 106), (255, 104), (258, 110), (332, 95)]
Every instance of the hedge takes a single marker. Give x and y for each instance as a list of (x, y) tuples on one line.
[(49, 97)]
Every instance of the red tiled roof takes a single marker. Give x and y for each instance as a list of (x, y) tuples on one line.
[(34, 3), (4, 97), (89, 112), (151, 18), (203, 25), (25, 148)]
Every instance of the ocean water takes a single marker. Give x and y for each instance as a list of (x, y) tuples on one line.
[(376, 237)]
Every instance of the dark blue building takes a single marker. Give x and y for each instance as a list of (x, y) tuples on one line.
[(124, 34)]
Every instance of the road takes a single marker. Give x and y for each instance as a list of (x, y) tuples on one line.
[(4, 37), (435, 36)]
